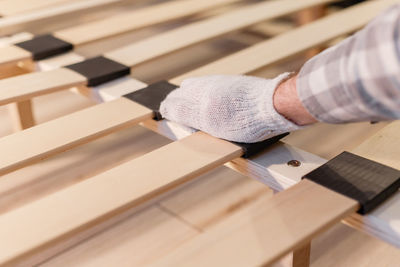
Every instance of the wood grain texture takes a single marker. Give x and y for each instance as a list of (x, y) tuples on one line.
[(266, 231), (204, 30), (136, 19), (69, 131), (305, 37), (225, 191), (134, 241), (26, 86), (130, 183)]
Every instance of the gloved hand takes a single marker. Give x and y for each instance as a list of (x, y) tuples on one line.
[(231, 107)]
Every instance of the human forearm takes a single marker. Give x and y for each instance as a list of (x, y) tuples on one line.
[(358, 79), (287, 103)]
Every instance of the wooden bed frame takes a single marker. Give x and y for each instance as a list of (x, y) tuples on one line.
[(59, 224)]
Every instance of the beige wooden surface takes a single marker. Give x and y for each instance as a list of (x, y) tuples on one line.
[(210, 200), (242, 240), (25, 87), (121, 112), (12, 55), (199, 153)]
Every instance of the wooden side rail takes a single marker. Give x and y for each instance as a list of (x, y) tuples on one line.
[(251, 59)]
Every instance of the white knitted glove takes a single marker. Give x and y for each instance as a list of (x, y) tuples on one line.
[(235, 108)]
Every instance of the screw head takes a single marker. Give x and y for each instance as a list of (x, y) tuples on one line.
[(294, 163)]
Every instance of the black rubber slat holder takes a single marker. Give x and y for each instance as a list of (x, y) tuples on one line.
[(44, 46), (99, 70), (366, 181), (152, 96)]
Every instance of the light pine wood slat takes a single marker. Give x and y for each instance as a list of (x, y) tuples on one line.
[(26, 86), (199, 153), (150, 234), (11, 55), (211, 198), (120, 113), (265, 231)]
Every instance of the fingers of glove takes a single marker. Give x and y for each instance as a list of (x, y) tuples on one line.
[(182, 107)]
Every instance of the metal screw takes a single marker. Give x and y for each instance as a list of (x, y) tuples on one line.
[(294, 163)]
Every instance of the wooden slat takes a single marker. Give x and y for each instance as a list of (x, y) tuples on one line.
[(116, 115), (226, 193), (107, 193), (27, 86), (14, 23), (268, 230), (11, 55), (150, 233)]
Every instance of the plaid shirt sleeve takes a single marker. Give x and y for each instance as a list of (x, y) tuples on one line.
[(357, 79)]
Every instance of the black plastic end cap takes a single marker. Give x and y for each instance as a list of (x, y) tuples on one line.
[(366, 181), (44, 46), (251, 149), (152, 96), (99, 70)]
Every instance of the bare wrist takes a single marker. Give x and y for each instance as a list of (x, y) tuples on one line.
[(287, 103)]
